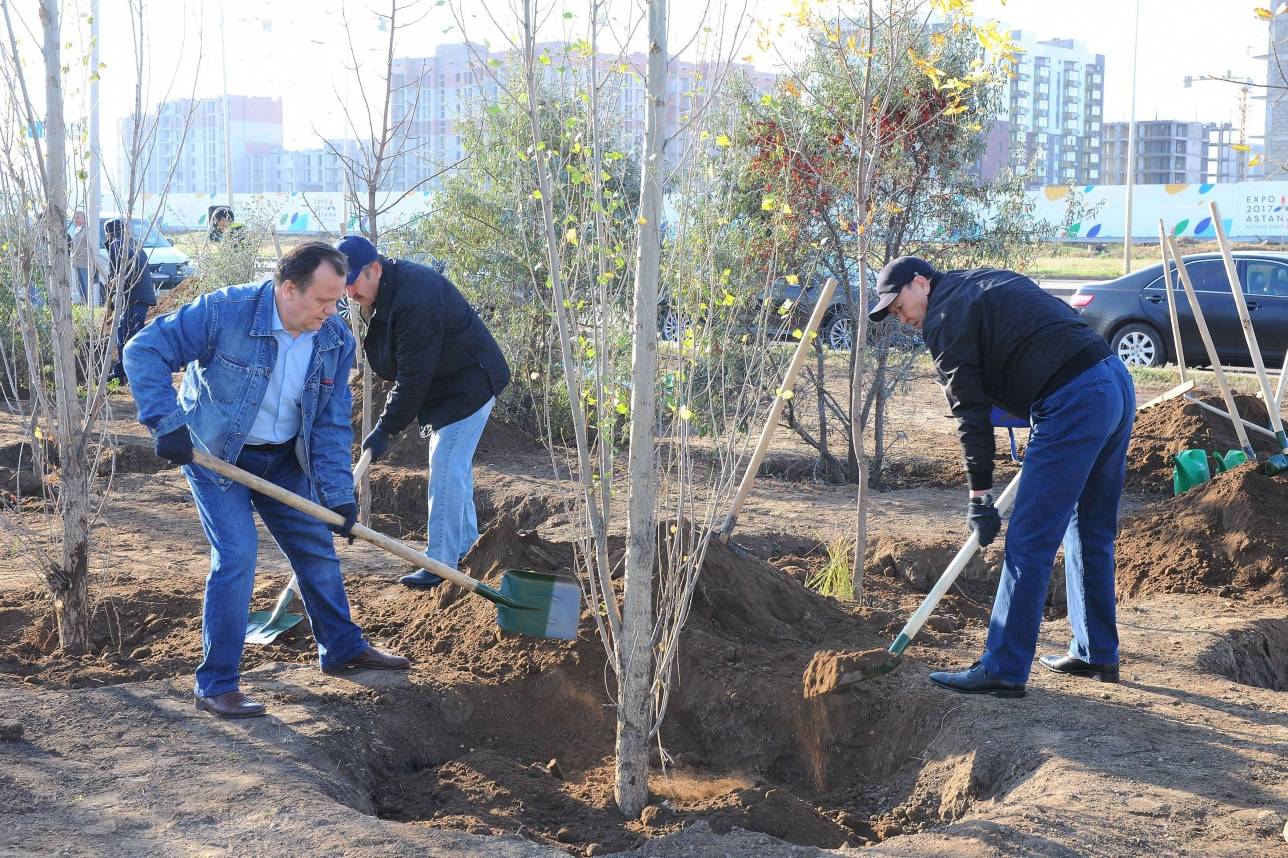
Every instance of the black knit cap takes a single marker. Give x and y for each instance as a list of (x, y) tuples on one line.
[(897, 274)]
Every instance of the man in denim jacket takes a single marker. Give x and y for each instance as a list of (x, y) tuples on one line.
[(266, 388)]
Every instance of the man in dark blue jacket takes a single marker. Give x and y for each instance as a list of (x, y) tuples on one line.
[(128, 266), (447, 371), (998, 339)]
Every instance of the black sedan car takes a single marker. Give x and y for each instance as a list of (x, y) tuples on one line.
[(1131, 311)]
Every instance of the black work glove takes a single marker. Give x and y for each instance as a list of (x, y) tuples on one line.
[(350, 513), (984, 519), (377, 441), (175, 446)]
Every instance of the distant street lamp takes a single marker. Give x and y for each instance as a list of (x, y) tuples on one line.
[(1131, 145)]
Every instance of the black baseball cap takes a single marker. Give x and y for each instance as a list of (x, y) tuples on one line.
[(897, 274)]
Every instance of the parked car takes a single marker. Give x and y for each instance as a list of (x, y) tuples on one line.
[(836, 328), (1131, 312), (169, 265)]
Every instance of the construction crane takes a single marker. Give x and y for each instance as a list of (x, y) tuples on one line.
[(1245, 96)]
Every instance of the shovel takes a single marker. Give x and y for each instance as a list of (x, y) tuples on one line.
[(831, 671), (263, 627), (530, 603)]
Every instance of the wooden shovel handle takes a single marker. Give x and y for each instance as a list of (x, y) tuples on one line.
[(776, 410), (321, 513), (293, 586)]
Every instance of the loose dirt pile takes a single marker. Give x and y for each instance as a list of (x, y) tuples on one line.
[(1179, 424), (1228, 537), (537, 737)]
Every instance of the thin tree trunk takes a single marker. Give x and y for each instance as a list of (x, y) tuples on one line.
[(634, 651), (824, 456), (869, 150), (879, 417), (70, 584)]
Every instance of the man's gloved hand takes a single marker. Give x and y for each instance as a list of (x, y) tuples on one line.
[(175, 446), (377, 441), (350, 513), (984, 519)]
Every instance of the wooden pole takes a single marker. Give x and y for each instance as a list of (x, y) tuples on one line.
[(776, 410), (1249, 334), (1217, 370), (1247, 424), (1171, 302), (321, 513)]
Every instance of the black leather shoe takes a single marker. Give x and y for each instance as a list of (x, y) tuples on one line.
[(231, 704), (1071, 666), (420, 580), (975, 681), (369, 659)]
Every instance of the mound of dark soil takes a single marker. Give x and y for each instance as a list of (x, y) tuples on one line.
[(1227, 536), (1179, 424)]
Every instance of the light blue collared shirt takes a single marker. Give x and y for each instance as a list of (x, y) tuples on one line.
[(278, 419)]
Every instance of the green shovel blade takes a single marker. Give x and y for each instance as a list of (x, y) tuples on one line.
[(1275, 465), (538, 604), (260, 631)]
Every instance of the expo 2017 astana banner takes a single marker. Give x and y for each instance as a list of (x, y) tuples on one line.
[(1250, 211)]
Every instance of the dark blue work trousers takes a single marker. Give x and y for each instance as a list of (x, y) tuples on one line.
[(1069, 491)]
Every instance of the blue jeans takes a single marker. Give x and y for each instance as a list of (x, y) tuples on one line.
[(453, 521), (306, 542), (133, 318), (1070, 485)]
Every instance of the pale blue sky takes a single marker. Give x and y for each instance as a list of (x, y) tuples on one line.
[(296, 48)]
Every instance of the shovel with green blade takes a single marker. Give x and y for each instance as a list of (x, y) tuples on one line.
[(530, 603), (831, 671), (263, 627)]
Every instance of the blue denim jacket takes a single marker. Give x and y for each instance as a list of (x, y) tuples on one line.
[(225, 339)]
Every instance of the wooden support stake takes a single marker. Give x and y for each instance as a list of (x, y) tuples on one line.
[(1171, 301), (1217, 370), (775, 410), (1249, 334)]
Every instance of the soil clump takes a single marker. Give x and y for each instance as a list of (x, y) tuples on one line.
[(1226, 537), (827, 671)]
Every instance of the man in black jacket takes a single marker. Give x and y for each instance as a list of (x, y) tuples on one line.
[(128, 265), (999, 339), (447, 371)]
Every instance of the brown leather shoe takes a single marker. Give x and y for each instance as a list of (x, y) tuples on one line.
[(231, 704), (369, 659)]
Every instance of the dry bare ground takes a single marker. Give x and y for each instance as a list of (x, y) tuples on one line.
[(496, 745)]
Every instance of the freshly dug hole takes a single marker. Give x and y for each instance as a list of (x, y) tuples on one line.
[(1256, 655)]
